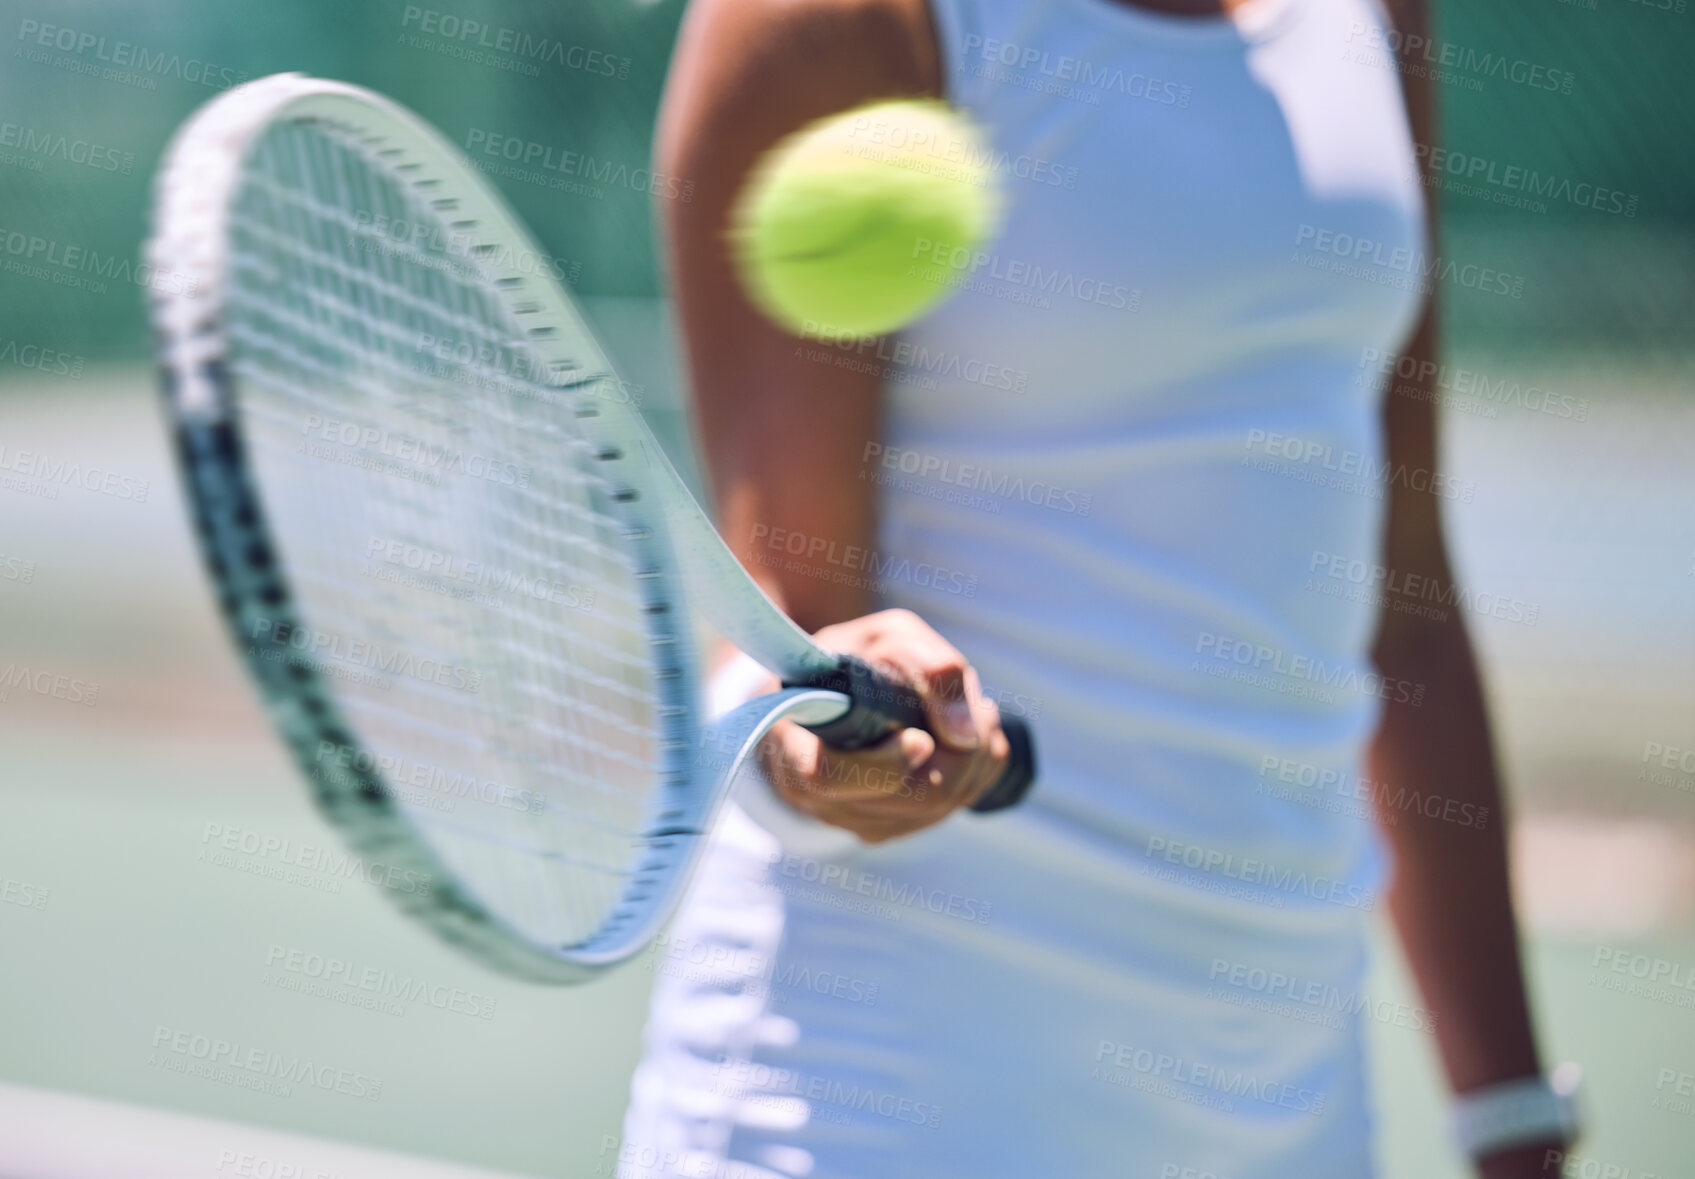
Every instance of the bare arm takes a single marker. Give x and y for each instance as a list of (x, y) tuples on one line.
[(784, 431), (1450, 899)]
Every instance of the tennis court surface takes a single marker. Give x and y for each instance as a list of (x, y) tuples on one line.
[(141, 921)]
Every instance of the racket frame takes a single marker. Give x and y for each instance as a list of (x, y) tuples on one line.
[(668, 532), (195, 192)]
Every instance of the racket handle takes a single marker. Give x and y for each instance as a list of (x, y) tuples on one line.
[(882, 706)]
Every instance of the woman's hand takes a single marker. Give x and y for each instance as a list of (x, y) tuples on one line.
[(911, 780)]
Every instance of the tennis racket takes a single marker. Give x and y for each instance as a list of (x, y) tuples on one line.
[(450, 552)]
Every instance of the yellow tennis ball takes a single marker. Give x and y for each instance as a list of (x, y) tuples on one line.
[(859, 223)]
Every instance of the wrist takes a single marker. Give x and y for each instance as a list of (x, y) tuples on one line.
[(1512, 1125), (734, 682)]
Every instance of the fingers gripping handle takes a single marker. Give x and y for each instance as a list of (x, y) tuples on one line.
[(882, 706)]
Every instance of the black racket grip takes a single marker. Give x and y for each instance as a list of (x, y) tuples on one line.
[(882, 706)]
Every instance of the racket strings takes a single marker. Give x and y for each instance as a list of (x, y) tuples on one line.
[(457, 565)]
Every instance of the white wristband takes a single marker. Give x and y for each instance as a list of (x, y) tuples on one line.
[(1517, 1113), (733, 684), (736, 682)]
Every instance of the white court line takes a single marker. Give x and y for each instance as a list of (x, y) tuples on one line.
[(1581, 876), (45, 1134)]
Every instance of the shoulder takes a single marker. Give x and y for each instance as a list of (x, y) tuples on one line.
[(890, 29), (1408, 16), (759, 68), (883, 21), (1411, 19)]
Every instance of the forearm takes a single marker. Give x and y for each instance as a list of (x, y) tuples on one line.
[(783, 423), (1451, 898)]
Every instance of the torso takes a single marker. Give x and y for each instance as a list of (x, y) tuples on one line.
[(1090, 538), (1089, 418)]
